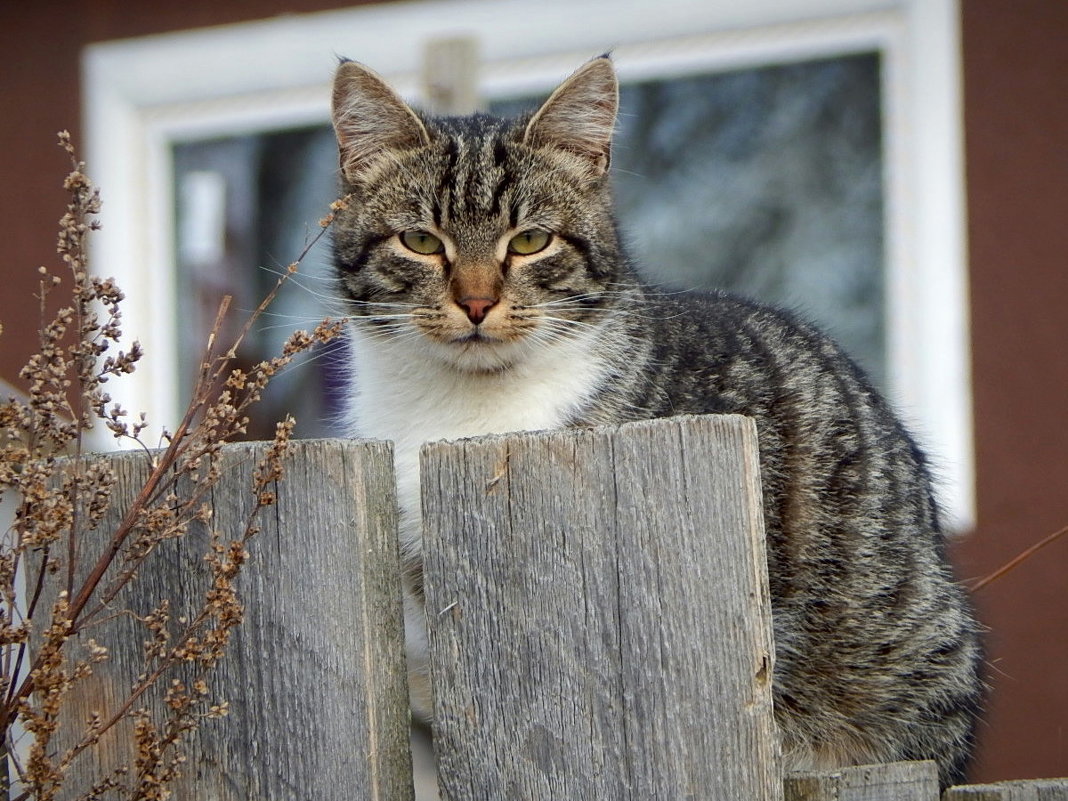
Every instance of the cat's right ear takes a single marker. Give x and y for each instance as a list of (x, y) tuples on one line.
[(579, 116), (370, 119)]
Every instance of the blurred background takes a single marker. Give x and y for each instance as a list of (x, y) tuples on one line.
[(894, 170)]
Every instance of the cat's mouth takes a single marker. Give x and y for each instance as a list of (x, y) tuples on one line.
[(476, 337), (477, 352)]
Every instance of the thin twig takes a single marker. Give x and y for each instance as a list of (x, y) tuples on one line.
[(54, 418), (177, 445), (1016, 560), (29, 616)]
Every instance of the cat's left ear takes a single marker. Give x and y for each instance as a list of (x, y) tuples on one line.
[(370, 119), (579, 116)]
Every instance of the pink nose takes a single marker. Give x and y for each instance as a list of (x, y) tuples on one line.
[(477, 308)]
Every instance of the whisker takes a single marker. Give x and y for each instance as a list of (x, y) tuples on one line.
[(297, 279), (563, 321), (326, 276), (581, 296), (326, 355)]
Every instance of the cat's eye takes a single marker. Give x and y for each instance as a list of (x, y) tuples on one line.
[(422, 242), (529, 242)]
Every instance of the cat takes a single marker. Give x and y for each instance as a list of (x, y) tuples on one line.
[(479, 264)]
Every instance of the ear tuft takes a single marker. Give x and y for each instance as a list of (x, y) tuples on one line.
[(579, 116), (370, 119)]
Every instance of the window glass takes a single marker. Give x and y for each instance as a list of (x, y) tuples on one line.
[(269, 191), (766, 182)]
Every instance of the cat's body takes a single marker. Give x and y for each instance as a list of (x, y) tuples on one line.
[(479, 261)]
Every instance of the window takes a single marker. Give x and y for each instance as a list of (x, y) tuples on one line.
[(874, 84), (245, 207), (766, 181)]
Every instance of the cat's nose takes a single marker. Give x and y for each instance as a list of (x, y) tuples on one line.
[(477, 308)]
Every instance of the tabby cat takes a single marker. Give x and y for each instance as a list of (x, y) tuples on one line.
[(479, 264)]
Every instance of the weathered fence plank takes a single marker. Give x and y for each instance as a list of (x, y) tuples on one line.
[(314, 675), (897, 781), (1030, 790), (981, 792), (600, 621)]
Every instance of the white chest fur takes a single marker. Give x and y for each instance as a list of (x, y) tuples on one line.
[(406, 395)]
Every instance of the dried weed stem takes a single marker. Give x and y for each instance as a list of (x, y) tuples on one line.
[(60, 494)]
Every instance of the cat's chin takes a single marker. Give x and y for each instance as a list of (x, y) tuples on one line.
[(479, 355), (474, 351)]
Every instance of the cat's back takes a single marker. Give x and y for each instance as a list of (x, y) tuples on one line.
[(715, 352), (871, 628), (828, 438)]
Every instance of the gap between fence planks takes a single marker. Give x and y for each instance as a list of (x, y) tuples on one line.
[(314, 675), (599, 613)]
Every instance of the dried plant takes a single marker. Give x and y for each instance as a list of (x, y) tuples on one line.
[(53, 592)]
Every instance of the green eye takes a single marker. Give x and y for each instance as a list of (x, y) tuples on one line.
[(529, 242), (422, 242)]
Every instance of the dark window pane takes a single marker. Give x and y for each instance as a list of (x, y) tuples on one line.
[(276, 187)]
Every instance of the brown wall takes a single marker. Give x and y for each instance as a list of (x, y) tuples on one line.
[(1016, 113), (40, 50), (39, 96), (1016, 122)]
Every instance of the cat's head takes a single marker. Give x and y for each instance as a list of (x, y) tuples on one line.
[(479, 240)]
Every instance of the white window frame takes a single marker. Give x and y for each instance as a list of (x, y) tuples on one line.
[(143, 95)]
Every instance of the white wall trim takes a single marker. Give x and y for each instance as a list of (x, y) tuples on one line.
[(143, 95)]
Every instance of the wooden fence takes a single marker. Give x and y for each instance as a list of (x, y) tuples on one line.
[(599, 627)]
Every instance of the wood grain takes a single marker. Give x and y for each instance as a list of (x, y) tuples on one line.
[(896, 781), (1030, 790), (314, 675), (599, 612)]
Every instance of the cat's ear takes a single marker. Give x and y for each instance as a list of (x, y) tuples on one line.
[(370, 119), (579, 116)]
